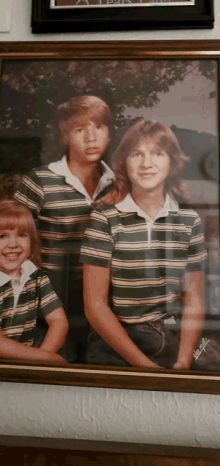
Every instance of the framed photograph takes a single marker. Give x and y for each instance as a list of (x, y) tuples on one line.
[(150, 274), (119, 15)]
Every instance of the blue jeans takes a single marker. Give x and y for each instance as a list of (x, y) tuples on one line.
[(153, 338)]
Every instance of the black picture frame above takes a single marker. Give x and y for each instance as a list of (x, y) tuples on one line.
[(117, 16)]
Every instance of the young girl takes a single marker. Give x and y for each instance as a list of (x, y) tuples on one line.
[(144, 257), (25, 290)]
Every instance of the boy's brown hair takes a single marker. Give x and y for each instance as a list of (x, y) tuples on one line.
[(87, 105), (14, 215)]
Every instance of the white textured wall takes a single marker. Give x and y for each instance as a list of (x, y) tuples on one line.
[(113, 415), (98, 413)]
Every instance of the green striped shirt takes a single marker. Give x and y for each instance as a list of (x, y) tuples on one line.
[(36, 296), (147, 262), (61, 207)]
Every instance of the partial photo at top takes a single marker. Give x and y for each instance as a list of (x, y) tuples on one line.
[(61, 4), (120, 15)]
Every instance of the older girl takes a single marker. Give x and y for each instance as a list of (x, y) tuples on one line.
[(144, 257)]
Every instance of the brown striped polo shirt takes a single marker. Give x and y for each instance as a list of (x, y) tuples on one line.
[(61, 207), (36, 297), (148, 259)]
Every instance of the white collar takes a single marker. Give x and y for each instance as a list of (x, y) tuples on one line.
[(27, 268), (129, 205), (61, 168)]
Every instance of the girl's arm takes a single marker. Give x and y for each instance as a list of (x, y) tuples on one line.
[(15, 350), (192, 318), (96, 282), (57, 330)]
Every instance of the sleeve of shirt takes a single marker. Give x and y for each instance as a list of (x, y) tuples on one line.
[(97, 245), (197, 253), (49, 300), (31, 193)]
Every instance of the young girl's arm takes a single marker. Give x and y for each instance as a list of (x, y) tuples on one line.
[(15, 350), (96, 282), (57, 330), (192, 318)]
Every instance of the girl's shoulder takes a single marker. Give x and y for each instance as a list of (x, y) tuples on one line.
[(187, 210), (188, 216), (186, 206), (39, 274)]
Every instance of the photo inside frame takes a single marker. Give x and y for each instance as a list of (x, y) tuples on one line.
[(62, 4), (182, 94)]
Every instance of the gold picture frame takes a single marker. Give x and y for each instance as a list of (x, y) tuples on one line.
[(14, 59)]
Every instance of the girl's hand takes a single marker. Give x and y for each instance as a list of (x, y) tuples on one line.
[(54, 357), (181, 365), (148, 364), (156, 366)]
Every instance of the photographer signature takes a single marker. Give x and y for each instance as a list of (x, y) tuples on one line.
[(201, 348)]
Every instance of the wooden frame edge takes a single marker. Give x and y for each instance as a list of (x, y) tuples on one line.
[(108, 446), (96, 376)]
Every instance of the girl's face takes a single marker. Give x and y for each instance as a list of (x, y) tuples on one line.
[(15, 248), (148, 167)]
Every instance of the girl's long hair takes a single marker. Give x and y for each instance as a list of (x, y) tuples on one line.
[(14, 215), (164, 139)]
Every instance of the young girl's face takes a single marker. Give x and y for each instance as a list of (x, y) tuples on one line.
[(15, 248), (148, 167)]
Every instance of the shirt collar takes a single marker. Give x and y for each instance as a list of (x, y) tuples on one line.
[(61, 168), (27, 269), (129, 205)]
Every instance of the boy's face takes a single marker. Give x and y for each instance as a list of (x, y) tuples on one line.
[(15, 248), (87, 140), (148, 167)]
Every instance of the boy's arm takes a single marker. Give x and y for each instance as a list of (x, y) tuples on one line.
[(57, 330), (96, 286), (15, 350), (192, 318)]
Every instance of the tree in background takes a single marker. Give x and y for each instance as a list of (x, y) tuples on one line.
[(32, 90)]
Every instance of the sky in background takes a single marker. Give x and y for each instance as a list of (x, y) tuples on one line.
[(187, 105)]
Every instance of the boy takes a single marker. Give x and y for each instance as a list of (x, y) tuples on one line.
[(60, 196)]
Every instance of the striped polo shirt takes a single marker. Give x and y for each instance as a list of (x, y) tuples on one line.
[(21, 303), (61, 206), (148, 259)]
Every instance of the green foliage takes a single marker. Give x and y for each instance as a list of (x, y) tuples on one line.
[(32, 91)]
